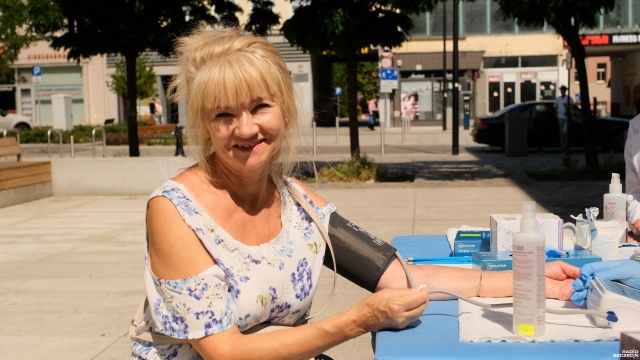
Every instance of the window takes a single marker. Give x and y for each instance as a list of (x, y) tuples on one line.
[(500, 62), (602, 73), (616, 18), (475, 17), (498, 24), (437, 19), (539, 61), (419, 25), (635, 13)]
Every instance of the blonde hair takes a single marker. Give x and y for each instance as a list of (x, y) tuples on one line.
[(225, 68)]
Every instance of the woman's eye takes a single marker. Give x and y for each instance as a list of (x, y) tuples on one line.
[(260, 107), (223, 115)]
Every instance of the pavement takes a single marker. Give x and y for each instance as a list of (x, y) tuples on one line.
[(71, 266)]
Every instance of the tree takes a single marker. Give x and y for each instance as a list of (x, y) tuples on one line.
[(568, 17), (130, 27), (368, 81), (145, 79), (348, 26), (19, 27)]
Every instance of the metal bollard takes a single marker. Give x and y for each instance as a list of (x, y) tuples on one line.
[(49, 140), (93, 141)]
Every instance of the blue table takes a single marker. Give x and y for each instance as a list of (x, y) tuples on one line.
[(436, 335)]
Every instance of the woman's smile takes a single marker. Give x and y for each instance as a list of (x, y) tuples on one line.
[(249, 146)]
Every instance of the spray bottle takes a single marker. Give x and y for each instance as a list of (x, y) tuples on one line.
[(529, 291), (615, 204)]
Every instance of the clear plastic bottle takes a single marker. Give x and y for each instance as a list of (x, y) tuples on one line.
[(615, 204), (529, 291)]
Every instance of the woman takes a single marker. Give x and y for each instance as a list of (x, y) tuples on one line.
[(228, 248)]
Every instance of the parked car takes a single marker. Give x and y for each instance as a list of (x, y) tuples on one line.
[(542, 127), (14, 121)]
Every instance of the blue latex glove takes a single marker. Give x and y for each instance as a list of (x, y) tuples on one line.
[(624, 271)]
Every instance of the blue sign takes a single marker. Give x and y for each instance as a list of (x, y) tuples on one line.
[(36, 70), (389, 74), (338, 91)]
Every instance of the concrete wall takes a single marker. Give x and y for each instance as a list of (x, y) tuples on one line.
[(113, 176)]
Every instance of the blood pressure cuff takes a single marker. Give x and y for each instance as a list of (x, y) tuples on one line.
[(360, 257)]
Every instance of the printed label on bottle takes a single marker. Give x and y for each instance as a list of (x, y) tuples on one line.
[(526, 329)]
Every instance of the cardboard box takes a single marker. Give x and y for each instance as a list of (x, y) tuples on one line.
[(502, 260), (470, 241), (503, 226)]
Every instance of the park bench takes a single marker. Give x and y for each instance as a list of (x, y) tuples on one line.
[(21, 181)]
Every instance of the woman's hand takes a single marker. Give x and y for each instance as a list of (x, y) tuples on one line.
[(391, 308), (560, 276)]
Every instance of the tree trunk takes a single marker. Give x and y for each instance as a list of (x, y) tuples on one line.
[(352, 93), (130, 104), (590, 151)]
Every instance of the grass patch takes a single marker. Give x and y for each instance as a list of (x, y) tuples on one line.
[(572, 171), (354, 170)]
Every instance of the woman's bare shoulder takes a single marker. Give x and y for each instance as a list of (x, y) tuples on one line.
[(317, 199)]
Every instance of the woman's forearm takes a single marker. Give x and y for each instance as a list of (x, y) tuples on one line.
[(302, 342), (467, 282)]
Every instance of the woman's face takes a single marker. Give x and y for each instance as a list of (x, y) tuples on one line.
[(247, 137), (409, 106)]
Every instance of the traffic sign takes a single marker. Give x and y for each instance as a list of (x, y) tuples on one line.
[(338, 91), (388, 80), (36, 70), (389, 74)]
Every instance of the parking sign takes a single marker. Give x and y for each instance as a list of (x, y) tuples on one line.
[(36, 70)]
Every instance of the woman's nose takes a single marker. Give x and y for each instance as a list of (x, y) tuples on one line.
[(246, 125)]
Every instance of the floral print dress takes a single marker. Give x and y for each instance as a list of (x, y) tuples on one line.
[(249, 285)]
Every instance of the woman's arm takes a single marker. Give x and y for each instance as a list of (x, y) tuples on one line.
[(632, 178), (470, 282), (175, 252), (394, 309)]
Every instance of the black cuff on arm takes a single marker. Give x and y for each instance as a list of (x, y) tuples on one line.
[(361, 257)]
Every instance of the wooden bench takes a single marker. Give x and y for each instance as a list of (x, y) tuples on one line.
[(22, 181), (9, 146)]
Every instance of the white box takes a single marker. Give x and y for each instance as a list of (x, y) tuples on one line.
[(503, 226)]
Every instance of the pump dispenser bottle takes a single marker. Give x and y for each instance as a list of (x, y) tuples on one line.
[(615, 203), (529, 291)]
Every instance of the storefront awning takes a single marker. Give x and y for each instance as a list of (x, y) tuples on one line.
[(467, 60)]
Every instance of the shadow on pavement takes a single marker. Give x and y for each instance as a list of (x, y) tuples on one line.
[(488, 167)]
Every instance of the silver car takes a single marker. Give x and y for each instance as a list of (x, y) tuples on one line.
[(14, 121)]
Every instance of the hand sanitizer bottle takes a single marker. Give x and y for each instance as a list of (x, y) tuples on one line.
[(615, 204), (529, 291)]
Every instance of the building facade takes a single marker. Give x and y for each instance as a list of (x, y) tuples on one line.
[(499, 64)]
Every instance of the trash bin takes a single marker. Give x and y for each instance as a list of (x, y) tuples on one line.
[(515, 132)]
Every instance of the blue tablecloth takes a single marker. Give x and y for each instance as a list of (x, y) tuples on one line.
[(436, 335)]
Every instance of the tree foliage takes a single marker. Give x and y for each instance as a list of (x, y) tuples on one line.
[(346, 27), (145, 79), (87, 28), (568, 18)]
